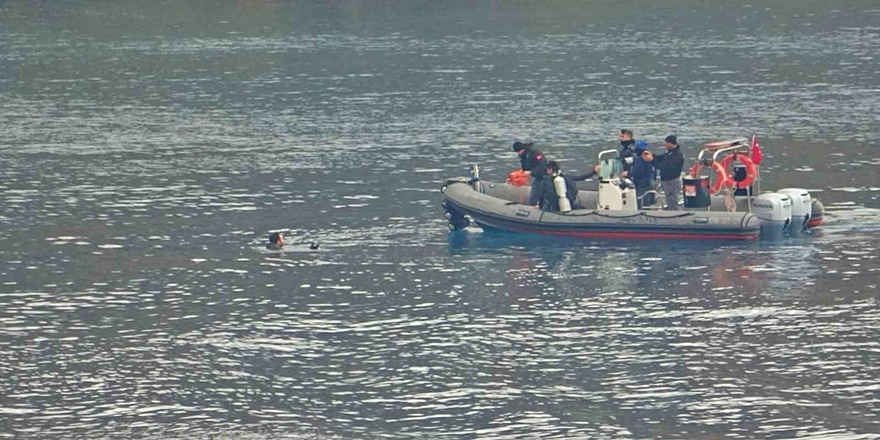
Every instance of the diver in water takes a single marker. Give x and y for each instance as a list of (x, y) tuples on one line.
[(276, 241)]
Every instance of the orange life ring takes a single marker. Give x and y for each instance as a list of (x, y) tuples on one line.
[(721, 175), (751, 170)]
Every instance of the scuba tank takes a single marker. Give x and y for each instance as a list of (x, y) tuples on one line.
[(559, 186)]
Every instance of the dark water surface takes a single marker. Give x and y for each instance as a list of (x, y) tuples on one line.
[(148, 147)]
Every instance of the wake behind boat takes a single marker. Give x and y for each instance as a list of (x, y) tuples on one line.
[(613, 212)]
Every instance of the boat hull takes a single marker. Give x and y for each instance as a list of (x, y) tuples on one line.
[(502, 207)]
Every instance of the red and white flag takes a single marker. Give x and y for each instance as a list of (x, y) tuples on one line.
[(757, 155)]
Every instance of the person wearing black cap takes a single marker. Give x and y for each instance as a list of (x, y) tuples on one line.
[(533, 162), (670, 165)]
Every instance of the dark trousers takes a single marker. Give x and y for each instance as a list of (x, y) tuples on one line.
[(537, 191), (643, 187)]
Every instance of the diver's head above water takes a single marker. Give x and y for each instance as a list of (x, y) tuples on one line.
[(276, 241)]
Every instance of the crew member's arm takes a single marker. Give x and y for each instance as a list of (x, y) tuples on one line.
[(590, 174)]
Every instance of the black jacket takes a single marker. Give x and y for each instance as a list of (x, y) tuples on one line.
[(670, 163), (549, 198), (627, 154), (534, 161)]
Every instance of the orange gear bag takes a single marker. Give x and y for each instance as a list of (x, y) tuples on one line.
[(518, 178)]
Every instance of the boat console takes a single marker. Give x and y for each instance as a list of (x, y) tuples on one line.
[(615, 192)]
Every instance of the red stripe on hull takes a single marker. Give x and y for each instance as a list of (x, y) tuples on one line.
[(814, 223), (655, 236), (641, 235)]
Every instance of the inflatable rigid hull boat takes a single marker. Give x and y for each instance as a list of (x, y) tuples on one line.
[(501, 207), (743, 212)]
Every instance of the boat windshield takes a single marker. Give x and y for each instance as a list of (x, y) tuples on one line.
[(609, 169)]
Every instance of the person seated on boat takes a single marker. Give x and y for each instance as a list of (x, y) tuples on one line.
[(550, 198), (670, 165), (643, 175), (276, 241), (533, 162)]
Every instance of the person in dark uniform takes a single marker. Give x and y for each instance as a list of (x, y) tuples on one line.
[(626, 155), (627, 152), (550, 198), (670, 165), (534, 162)]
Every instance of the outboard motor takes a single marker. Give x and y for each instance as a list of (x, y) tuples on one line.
[(774, 211), (618, 194), (801, 208)]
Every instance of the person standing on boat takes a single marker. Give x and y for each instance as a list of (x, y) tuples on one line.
[(626, 155), (533, 162), (670, 165), (627, 152), (643, 175), (550, 198)]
